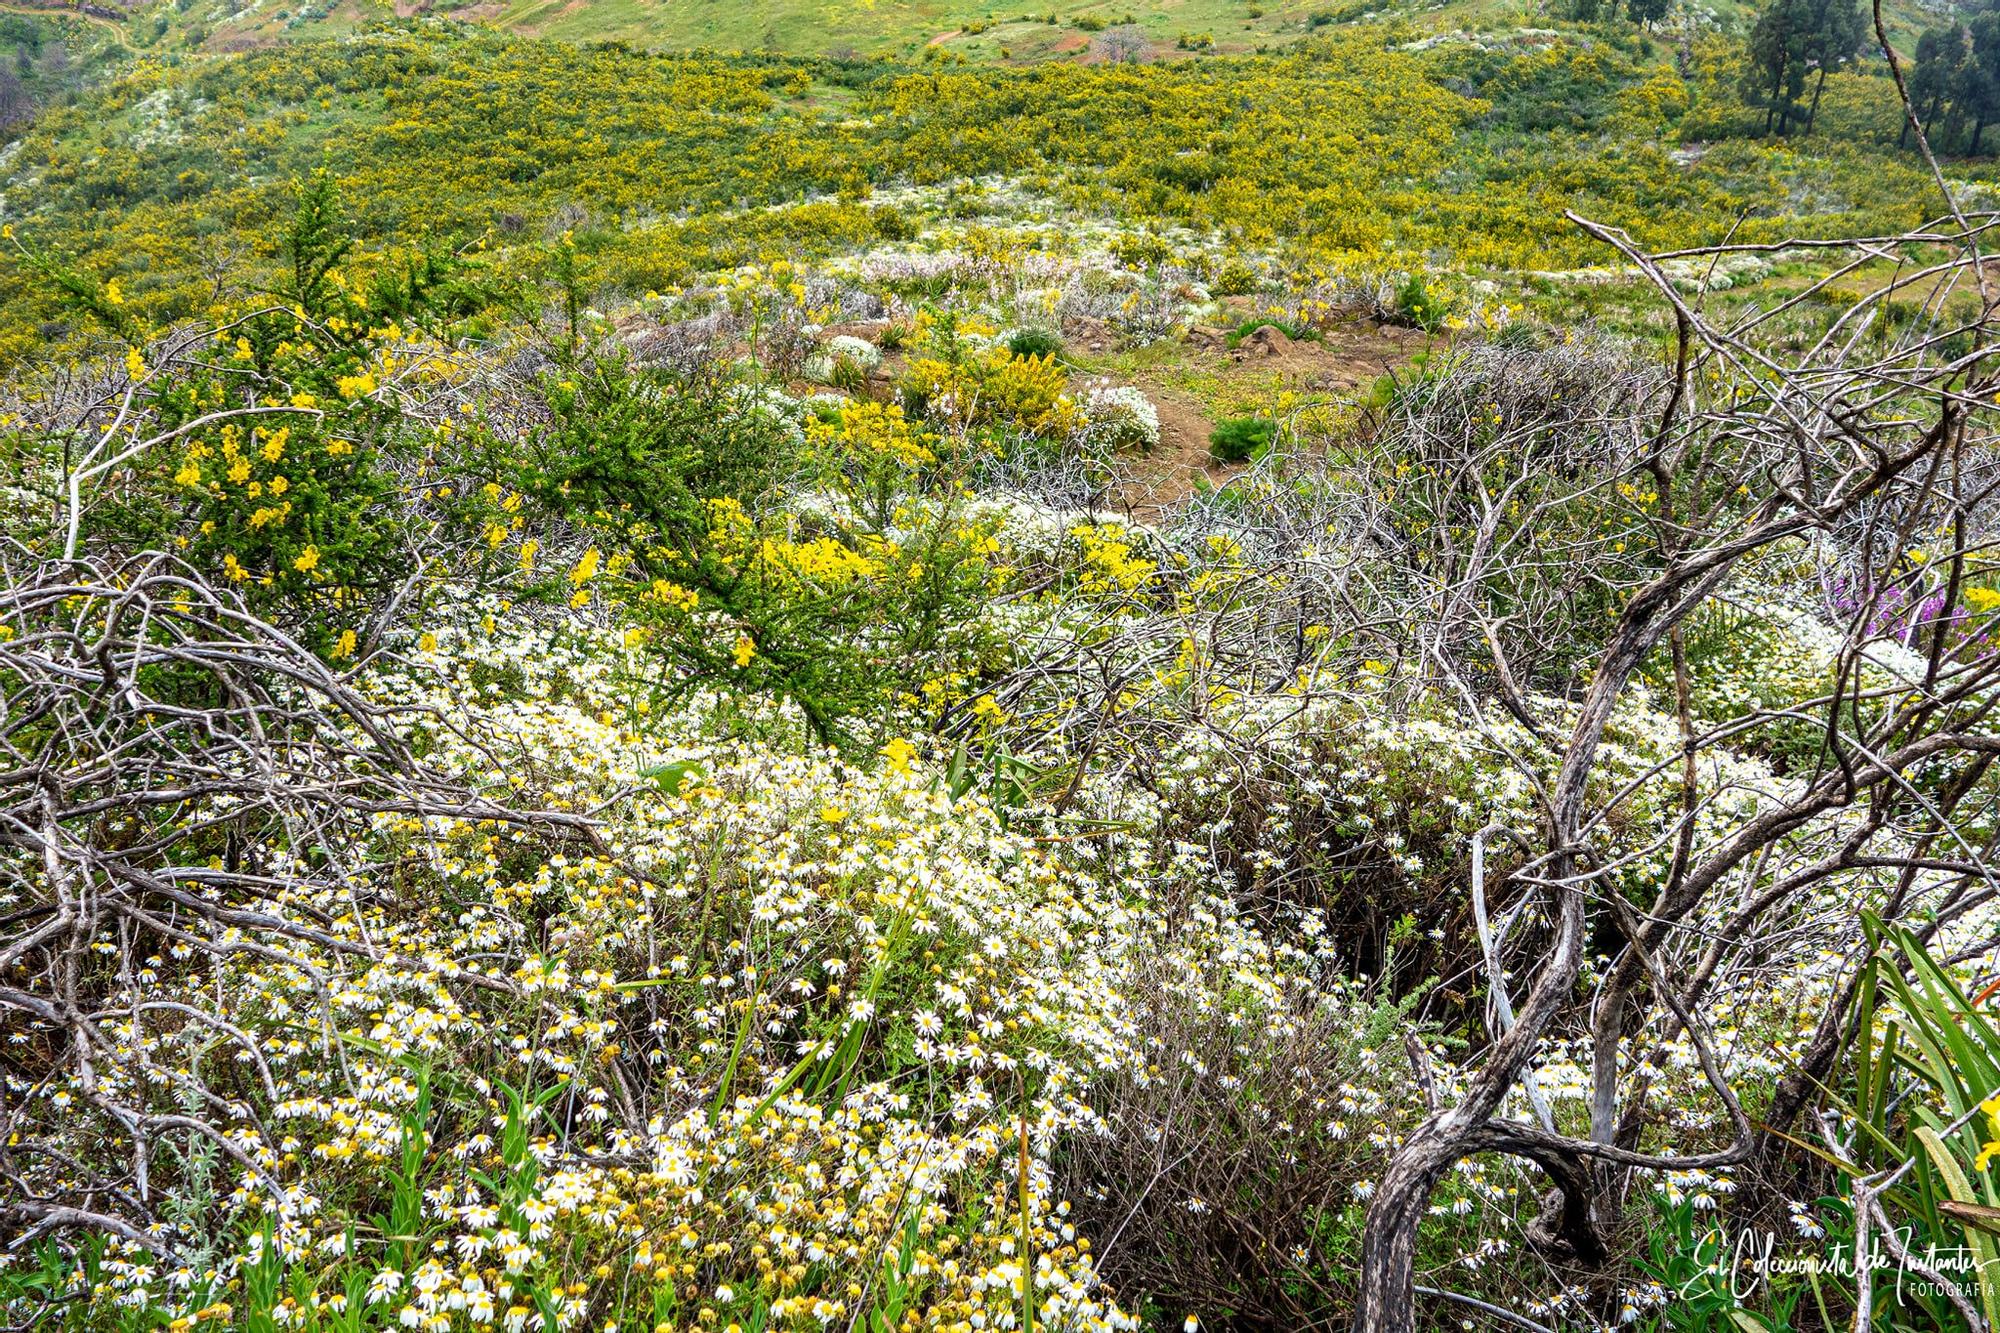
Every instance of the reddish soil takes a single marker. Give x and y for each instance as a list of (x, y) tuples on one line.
[(1345, 358), (1167, 474)]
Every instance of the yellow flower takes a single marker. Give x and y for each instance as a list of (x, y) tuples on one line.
[(135, 365), (746, 648), (112, 294), (899, 753), (1108, 561), (674, 596), (234, 568), (307, 560), (586, 568), (355, 386), (344, 645), (427, 642)]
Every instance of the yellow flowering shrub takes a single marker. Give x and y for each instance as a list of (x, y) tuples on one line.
[(1025, 394)]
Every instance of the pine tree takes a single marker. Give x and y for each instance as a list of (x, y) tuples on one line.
[(1775, 78), (1795, 40), (1835, 34), (1955, 82)]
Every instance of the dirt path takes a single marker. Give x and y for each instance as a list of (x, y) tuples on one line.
[(1167, 474), (65, 11), (1344, 359)]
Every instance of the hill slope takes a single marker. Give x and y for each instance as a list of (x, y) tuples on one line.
[(1349, 151), (1014, 31)]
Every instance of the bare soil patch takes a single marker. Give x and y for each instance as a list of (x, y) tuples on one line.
[(1344, 358), (1173, 470)]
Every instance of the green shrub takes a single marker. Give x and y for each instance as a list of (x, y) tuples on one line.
[(1026, 343), (1418, 305), (1141, 250), (672, 479), (1237, 439), (295, 498)]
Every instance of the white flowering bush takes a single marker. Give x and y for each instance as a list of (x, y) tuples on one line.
[(780, 1034), (1120, 416), (843, 356)]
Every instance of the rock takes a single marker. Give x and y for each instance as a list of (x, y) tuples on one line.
[(1266, 341), (867, 330), (1084, 329)]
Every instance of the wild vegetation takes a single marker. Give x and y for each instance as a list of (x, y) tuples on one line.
[(1138, 684)]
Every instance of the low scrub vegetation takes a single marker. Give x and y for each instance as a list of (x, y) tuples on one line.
[(1127, 695)]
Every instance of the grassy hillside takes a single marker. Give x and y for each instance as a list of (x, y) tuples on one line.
[(45, 57), (1353, 152), (1010, 31)]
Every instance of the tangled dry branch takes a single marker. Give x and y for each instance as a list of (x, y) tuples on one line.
[(183, 782)]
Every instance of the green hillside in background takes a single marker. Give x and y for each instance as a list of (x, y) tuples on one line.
[(1013, 31), (1366, 148)]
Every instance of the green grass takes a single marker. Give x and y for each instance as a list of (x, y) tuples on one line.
[(976, 29), (983, 30), (1349, 150)]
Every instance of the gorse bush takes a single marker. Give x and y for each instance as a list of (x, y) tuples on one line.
[(671, 481), (995, 389), (278, 452), (1418, 305), (1239, 439)]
